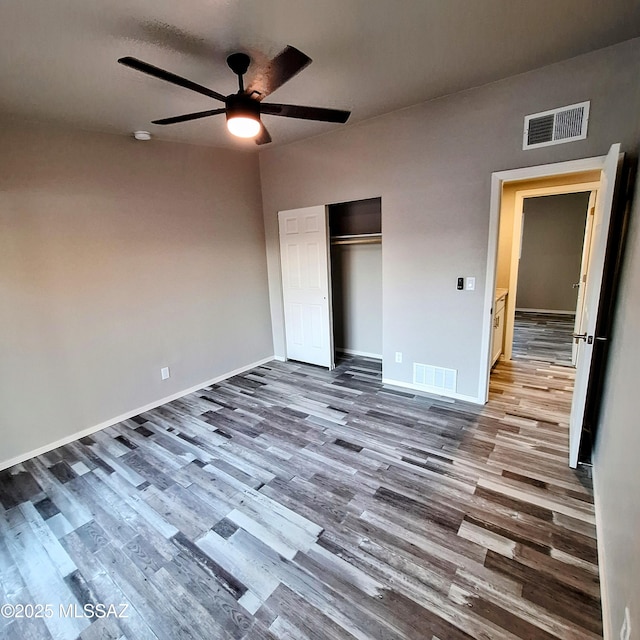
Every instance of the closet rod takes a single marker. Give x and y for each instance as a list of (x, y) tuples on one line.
[(358, 241), (362, 238)]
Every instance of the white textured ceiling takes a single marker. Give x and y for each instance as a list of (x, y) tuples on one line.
[(58, 57)]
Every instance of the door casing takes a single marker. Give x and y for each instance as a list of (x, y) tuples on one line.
[(498, 180)]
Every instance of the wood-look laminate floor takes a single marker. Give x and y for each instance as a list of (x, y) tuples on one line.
[(544, 337), (293, 503)]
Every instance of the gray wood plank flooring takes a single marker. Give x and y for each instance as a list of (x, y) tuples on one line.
[(291, 502), (544, 337)]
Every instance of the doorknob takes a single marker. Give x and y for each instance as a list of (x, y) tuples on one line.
[(579, 336), (575, 285)]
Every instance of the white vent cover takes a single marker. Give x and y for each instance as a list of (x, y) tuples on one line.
[(564, 124), (434, 379)]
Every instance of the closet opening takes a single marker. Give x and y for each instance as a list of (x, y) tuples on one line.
[(355, 230)]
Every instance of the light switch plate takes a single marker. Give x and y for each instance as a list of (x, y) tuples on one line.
[(471, 284), (164, 372)]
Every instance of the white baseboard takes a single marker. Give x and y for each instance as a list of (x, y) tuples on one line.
[(558, 312), (608, 633), (432, 391), (125, 416), (364, 354)]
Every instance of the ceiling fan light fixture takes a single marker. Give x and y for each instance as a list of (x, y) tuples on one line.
[(243, 116), (243, 126)]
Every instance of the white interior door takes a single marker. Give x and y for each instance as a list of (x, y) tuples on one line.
[(584, 269), (599, 234), (304, 257)]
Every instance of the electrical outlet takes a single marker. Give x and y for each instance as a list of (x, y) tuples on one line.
[(164, 372), (625, 629), (398, 356), (471, 284)]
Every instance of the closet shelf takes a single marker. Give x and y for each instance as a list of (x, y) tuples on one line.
[(358, 238)]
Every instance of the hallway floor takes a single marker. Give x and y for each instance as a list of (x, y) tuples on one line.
[(544, 337)]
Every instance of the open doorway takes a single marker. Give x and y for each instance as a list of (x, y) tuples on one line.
[(541, 264), (355, 230), (509, 191), (331, 262), (554, 238)]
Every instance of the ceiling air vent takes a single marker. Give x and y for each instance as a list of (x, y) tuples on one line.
[(564, 124)]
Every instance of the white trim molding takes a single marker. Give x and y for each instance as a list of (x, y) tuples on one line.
[(5, 464)]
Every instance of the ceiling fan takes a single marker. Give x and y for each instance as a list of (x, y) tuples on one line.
[(244, 108)]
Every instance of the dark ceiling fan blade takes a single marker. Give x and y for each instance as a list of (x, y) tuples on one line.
[(189, 116), (156, 72), (282, 68), (305, 113), (263, 137)]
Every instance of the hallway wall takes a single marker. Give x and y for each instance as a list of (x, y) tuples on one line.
[(551, 252), (616, 476)]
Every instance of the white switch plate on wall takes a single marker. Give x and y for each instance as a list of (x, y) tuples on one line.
[(471, 284), (164, 372), (398, 356)]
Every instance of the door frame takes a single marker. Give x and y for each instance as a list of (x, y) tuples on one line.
[(498, 179), (516, 245), (587, 245)]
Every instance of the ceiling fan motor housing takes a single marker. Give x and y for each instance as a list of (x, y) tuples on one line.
[(242, 106)]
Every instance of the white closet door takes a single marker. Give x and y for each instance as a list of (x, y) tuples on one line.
[(304, 258)]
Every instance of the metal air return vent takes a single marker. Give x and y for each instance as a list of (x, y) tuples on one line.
[(434, 379), (556, 126)]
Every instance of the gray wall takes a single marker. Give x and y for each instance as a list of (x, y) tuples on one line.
[(616, 475), (432, 166), (552, 240), (117, 258), (356, 282)]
